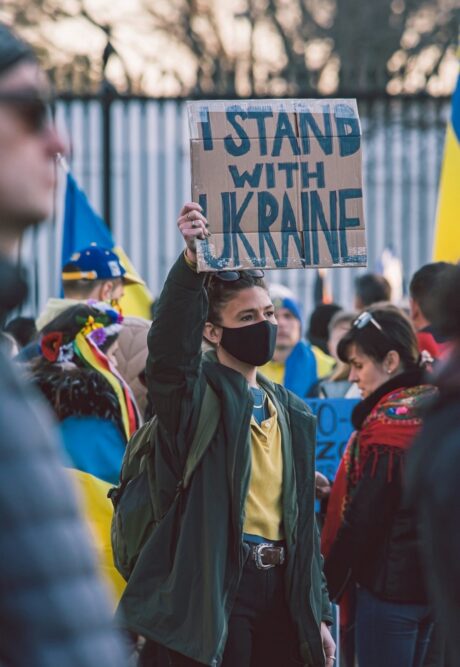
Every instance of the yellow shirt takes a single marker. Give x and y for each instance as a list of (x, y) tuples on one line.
[(324, 363), (274, 371), (264, 503)]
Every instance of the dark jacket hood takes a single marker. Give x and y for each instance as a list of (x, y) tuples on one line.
[(13, 287)]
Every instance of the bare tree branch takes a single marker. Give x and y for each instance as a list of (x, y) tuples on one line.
[(364, 36)]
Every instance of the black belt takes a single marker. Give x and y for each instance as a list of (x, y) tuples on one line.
[(266, 555)]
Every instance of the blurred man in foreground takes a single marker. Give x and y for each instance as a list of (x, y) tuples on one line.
[(53, 607)]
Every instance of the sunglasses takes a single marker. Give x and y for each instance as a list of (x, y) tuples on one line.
[(35, 110), (233, 276), (364, 319)]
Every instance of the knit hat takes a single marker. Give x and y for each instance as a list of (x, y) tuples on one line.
[(283, 297), (12, 49)]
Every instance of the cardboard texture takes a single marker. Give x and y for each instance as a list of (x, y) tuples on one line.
[(280, 182)]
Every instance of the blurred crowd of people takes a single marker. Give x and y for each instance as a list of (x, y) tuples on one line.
[(81, 379)]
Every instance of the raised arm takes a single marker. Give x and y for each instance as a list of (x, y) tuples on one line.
[(175, 337)]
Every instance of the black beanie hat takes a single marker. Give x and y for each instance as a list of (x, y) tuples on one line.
[(12, 49)]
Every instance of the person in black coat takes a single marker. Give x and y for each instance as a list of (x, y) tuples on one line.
[(370, 535), (54, 610), (433, 472)]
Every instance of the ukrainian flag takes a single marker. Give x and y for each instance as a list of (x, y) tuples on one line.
[(95, 461), (447, 235), (93, 452), (98, 511), (82, 226)]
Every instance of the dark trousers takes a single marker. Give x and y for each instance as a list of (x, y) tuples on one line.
[(260, 632), (389, 633)]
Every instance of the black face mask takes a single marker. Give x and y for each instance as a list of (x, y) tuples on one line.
[(254, 344)]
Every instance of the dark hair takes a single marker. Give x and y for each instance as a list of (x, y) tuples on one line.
[(13, 50), (72, 320), (22, 329), (423, 286), (318, 328), (446, 302), (220, 292), (341, 317), (397, 334), (76, 391), (80, 288), (372, 288)]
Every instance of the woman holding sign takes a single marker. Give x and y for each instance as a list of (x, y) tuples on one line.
[(232, 574), (370, 532)]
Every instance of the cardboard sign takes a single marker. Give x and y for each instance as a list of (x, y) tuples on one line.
[(333, 430), (280, 183)]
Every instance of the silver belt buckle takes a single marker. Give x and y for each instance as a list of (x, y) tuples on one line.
[(258, 553)]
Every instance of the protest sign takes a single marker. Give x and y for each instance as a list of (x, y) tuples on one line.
[(333, 430), (280, 183)]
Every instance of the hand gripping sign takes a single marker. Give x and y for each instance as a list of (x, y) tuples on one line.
[(280, 182)]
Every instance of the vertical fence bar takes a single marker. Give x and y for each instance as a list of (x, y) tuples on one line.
[(107, 157)]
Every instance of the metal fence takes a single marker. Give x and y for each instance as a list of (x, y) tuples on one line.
[(132, 159)]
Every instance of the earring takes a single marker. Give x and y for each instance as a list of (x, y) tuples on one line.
[(389, 371)]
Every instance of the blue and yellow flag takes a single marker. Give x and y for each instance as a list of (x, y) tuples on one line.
[(94, 451), (447, 235), (82, 227), (95, 461)]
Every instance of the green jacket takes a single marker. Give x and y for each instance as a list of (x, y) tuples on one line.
[(183, 586)]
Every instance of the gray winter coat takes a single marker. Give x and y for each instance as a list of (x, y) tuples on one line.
[(53, 607)]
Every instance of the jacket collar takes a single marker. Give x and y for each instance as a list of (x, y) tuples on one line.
[(407, 379), (13, 287), (447, 375)]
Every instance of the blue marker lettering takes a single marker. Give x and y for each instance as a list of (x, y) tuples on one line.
[(284, 130), (306, 121), (230, 145)]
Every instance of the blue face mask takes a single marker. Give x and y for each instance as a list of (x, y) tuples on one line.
[(253, 344)]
